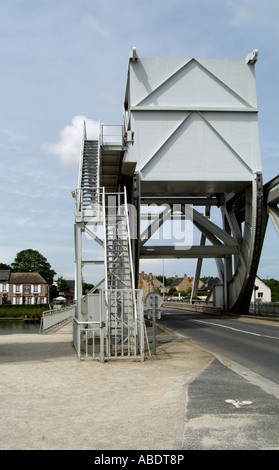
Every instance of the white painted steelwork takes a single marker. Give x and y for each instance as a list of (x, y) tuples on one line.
[(55, 317), (196, 115), (111, 334), (112, 315), (190, 145), (271, 190), (193, 127)]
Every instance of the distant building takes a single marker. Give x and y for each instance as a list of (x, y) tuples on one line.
[(149, 283), (4, 285), (70, 294), (210, 283), (27, 288), (146, 283), (262, 293), (183, 283)]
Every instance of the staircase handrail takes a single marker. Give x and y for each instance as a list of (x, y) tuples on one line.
[(99, 166), (105, 258), (130, 255), (79, 189)]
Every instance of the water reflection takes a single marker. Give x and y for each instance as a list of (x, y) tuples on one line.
[(11, 327)]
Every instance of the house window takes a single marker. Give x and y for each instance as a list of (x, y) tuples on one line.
[(17, 300), (4, 287), (17, 289), (36, 289), (260, 295), (27, 289), (29, 300)]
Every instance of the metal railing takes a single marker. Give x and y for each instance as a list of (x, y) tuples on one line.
[(112, 135), (88, 338), (264, 308), (109, 337), (56, 317), (92, 209)]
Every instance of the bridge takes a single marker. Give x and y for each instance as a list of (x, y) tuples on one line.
[(186, 161)]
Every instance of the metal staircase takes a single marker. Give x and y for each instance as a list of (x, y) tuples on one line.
[(120, 294), (119, 302), (89, 176), (119, 269)]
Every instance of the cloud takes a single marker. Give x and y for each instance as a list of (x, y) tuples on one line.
[(241, 14), (95, 24), (68, 148)]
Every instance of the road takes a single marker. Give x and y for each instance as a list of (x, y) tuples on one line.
[(251, 343)]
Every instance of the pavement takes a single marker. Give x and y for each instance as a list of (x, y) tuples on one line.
[(183, 398)]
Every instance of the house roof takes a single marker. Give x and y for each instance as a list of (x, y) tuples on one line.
[(147, 277), (5, 274), (210, 283), (30, 278), (177, 281)]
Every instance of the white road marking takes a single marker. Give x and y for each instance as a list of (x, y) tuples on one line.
[(235, 329), (238, 403)]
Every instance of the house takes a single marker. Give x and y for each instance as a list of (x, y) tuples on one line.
[(261, 292), (27, 288), (4, 282), (210, 283), (183, 283), (146, 283), (149, 283)]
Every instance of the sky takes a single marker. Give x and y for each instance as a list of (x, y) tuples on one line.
[(63, 61)]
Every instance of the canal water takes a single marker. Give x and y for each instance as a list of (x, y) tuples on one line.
[(11, 327)]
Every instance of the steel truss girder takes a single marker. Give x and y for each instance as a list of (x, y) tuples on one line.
[(196, 251), (272, 200), (223, 244), (235, 247)]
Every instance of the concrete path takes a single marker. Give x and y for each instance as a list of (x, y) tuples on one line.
[(176, 400)]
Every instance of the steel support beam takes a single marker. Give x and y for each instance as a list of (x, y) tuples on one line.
[(272, 200), (196, 251), (78, 267)]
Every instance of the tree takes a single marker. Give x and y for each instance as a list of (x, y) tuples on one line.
[(62, 285), (167, 280), (33, 261), (4, 266), (274, 286), (87, 287)]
